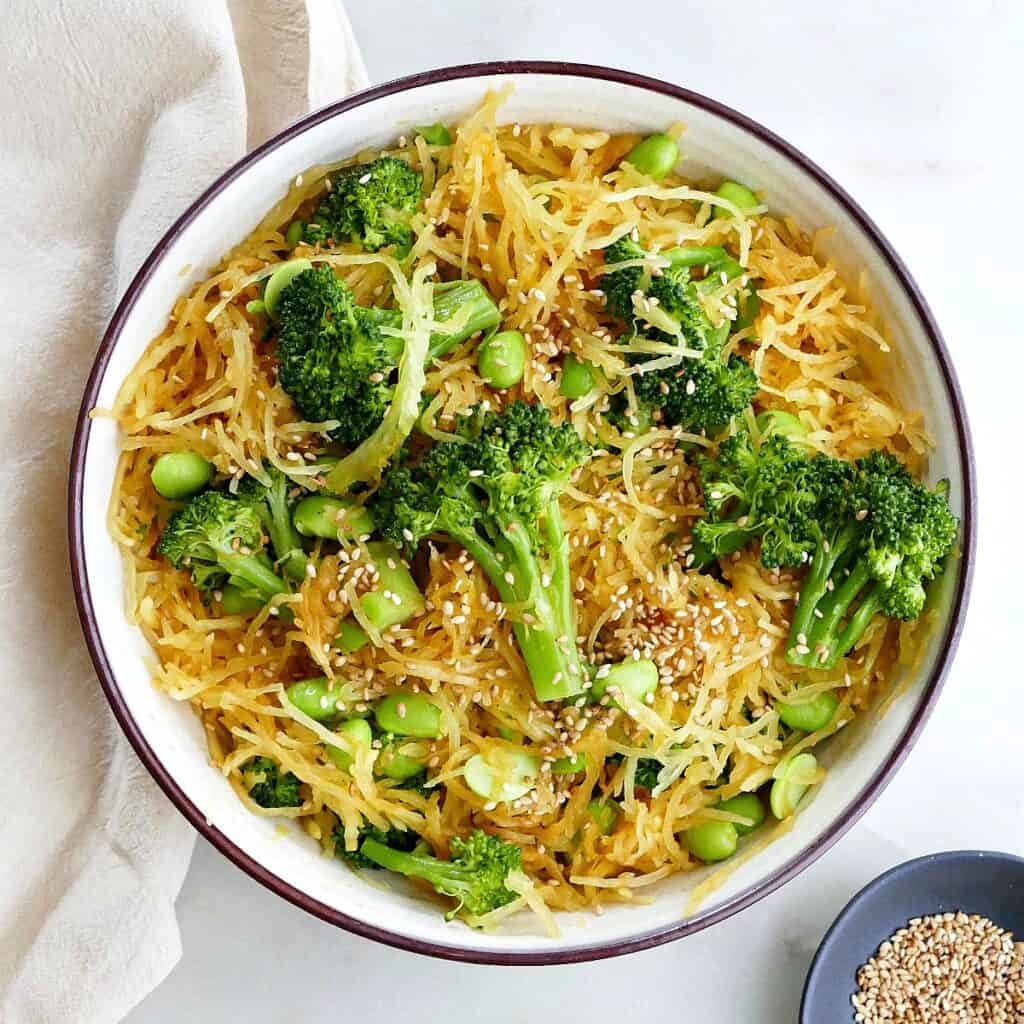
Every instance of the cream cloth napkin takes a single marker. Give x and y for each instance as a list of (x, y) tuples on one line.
[(114, 114)]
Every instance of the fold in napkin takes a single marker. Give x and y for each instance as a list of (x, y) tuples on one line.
[(114, 114)]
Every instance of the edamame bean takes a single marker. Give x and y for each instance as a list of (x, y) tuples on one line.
[(603, 813), (739, 195), (279, 280), (655, 156), (746, 805), (359, 733), (294, 233), (320, 700), (393, 764), (569, 765), (712, 841), (810, 716), (577, 377), (502, 775), (255, 307), (792, 780), (178, 475), (351, 636), (635, 678), (235, 601), (395, 598), (321, 515), (501, 359), (409, 714), (436, 134)]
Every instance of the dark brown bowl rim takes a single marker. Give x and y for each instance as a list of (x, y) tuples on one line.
[(658, 936)]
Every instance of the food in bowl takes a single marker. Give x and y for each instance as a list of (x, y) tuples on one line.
[(518, 513)]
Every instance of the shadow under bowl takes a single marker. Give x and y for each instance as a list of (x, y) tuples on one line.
[(982, 882)]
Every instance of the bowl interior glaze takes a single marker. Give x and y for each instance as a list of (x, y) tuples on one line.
[(168, 736)]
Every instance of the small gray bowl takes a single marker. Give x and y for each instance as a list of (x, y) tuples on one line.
[(975, 881)]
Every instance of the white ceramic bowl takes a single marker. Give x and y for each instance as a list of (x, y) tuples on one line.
[(167, 736)]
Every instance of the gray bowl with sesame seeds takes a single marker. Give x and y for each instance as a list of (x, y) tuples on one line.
[(941, 934), (169, 738)]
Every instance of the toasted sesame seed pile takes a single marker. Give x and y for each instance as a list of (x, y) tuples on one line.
[(528, 210), (953, 968)]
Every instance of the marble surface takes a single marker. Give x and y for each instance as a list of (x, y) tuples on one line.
[(909, 106)]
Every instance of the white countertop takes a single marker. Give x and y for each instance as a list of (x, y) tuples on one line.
[(911, 112)]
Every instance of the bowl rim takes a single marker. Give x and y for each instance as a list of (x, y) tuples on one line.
[(466, 953), (875, 887)]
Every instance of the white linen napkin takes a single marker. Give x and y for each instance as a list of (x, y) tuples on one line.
[(114, 114)]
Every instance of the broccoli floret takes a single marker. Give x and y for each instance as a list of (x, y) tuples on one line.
[(496, 492), (871, 536), (218, 538), (393, 838), (876, 552), (647, 770), (334, 360), (476, 875), (369, 204), (774, 492), (268, 787), (660, 302), (274, 509), (337, 360)]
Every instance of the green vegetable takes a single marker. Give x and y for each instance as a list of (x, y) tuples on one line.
[(238, 601), (811, 715), (476, 875), (604, 814), (351, 636), (409, 714), (217, 538), (273, 506), (569, 765), (712, 841), (747, 805), (436, 134), (178, 475), (655, 156), (279, 280), (776, 421), (255, 307), (502, 775), (737, 194), (268, 787), (876, 544), (337, 360), (369, 204), (358, 731), (318, 699), (705, 391), (792, 780), (496, 493), (294, 233), (577, 377), (501, 359), (637, 678), (395, 598), (393, 764), (321, 515), (394, 838)]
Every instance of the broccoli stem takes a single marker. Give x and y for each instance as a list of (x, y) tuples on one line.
[(821, 612), (443, 875), (254, 571), (284, 538), (548, 642), (466, 304)]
